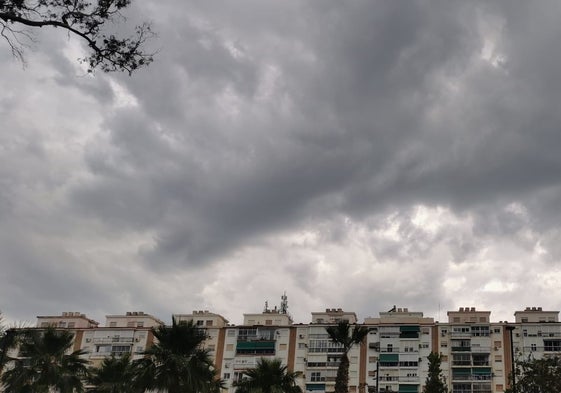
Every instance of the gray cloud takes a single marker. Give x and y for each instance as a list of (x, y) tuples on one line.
[(313, 141)]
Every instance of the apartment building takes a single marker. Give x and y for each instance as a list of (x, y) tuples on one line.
[(262, 335), (473, 351), (536, 333), (476, 352), (317, 358), (397, 347), (214, 327)]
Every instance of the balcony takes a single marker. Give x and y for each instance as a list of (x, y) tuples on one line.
[(461, 349), (475, 349), (409, 379), (244, 363), (112, 340), (255, 348)]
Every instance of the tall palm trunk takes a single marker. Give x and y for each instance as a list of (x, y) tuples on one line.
[(342, 379)]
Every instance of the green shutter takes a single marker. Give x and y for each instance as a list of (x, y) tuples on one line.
[(409, 328), (482, 371), (389, 357), (408, 388), (256, 345), (318, 386)]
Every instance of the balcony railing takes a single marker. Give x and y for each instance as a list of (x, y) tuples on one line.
[(472, 377), (111, 340)]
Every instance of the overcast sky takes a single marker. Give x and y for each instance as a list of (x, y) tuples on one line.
[(355, 154)]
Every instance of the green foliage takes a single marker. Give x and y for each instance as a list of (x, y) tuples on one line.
[(44, 364), (176, 363), (85, 19), (537, 376), (115, 375), (347, 337), (269, 376), (435, 382)]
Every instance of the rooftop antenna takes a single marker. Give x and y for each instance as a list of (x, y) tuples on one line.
[(266, 306), (284, 304)]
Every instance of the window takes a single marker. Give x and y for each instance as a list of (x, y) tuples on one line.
[(444, 344), (209, 322), (424, 345), (62, 324), (456, 319), (499, 388), (498, 344), (302, 345), (461, 359), (140, 324), (139, 349), (229, 347), (119, 350), (533, 347), (480, 331), (231, 332), (282, 347), (552, 345), (482, 319), (497, 330), (226, 376), (71, 325), (211, 347), (372, 359), (200, 323), (130, 324), (524, 320), (44, 324), (268, 322), (103, 348), (315, 376)]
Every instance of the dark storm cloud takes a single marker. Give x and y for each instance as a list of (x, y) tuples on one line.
[(260, 120), (349, 116)]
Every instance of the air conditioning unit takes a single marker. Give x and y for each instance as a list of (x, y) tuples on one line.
[(301, 336)]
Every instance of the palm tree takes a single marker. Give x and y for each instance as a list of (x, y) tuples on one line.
[(343, 335), (44, 364), (269, 376), (8, 341), (176, 363), (115, 375)]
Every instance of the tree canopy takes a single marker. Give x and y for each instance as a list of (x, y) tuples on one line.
[(176, 362), (537, 376), (435, 382), (44, 364), (343, 334), (86, 19), (269, 376)]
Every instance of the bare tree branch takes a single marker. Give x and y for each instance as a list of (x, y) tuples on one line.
[(84, 19)]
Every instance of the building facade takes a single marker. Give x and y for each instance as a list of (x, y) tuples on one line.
[(477, 354)]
